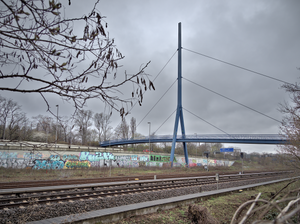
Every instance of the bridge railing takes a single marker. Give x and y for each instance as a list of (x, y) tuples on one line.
[(204, 136)]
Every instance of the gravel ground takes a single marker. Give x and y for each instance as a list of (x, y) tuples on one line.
[(34, 212)]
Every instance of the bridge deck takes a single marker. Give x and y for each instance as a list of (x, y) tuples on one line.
[(272, 139)]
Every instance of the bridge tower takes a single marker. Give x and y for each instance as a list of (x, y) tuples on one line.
[(179, 112)]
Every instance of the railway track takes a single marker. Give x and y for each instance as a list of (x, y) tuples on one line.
[(28, 184), (73, 193)]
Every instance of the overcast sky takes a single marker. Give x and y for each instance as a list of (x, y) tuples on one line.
[(259, 35)]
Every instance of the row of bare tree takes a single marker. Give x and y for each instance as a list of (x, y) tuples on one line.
[(85, 127)]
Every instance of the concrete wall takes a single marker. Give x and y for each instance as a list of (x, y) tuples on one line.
[(34, 159)]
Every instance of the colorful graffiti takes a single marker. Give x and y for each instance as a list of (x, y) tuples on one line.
[(15, 163), (97, 156), (75, 164), (161, 158), (8, 155), (48, 164), (130, 160), (77, 160), (63, 157), (32, 155)]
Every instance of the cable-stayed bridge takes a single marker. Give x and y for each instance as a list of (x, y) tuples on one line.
[(272, 139)]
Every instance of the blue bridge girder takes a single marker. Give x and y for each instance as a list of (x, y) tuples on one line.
[(271, 139)]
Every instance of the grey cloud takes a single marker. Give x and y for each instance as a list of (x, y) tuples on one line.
[(259, 35)]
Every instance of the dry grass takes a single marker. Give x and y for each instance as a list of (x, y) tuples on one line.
[(11, 175), (219, 209)]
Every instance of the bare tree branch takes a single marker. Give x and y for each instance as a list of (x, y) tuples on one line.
[(290, 127), (38, 46)]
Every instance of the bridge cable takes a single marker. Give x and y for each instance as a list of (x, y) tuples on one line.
[(153, 81), (165, 121), (207, 122), (156, 103), (240, 67), (164, 66), (157, 76), (233, 100)]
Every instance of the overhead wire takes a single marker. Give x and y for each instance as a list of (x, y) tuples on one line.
[(164, 66), (165, 121), (237, 66), (163, 94), (153, 81), (231, 64), (207, 122), (232, 100), (157, 76), (156, 103)]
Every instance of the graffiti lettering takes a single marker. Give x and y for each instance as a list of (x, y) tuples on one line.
[(73, 164), (123, 157), (69, 157), (32, 155), (83, 155), (144, 158), (96, 157), (15, 163), (51, 160), (48, 164), (8, 155), (54, 157)]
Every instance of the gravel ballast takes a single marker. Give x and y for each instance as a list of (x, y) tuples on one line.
[(46, 211)]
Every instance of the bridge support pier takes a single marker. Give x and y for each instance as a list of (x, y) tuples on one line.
[(179, 113)]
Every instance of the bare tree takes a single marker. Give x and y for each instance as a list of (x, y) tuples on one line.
[(93, 136), (122, 130), (40, 47), (102, 122), (83, 122), (43, 123), (26, 131), (16, 122), (8, 109), (215, 146), (65, 126), (2, 120), (290, 127), (133, 127)]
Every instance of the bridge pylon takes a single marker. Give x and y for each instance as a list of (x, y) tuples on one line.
[(179, 112)]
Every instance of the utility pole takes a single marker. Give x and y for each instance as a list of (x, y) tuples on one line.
[(56, 125), (242, 157), (149, 137), (196, 144)]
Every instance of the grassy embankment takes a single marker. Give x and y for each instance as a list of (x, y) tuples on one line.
[(220, 208), (9, 175)]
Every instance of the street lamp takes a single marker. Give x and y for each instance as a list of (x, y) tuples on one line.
[(56, 125), (196, 144), (47, 133), (149, 136), (242, 157)]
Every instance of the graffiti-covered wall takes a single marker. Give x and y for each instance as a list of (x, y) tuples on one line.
[(74, 160), (51, 160), (203, 161)]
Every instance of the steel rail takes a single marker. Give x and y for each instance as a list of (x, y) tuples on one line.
[(136, 188)]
